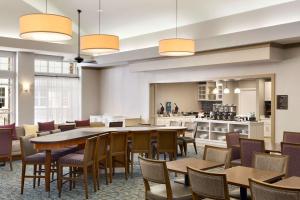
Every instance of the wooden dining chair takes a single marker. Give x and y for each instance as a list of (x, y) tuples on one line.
[(155, 172), (265, 191), (217, 154), (208, 185), (6, 135), (101, 156), (248, 148), (166, 144), (293, 151), (78, 161), (271, 162), (191, 129), (141, 144), (233, 142), (118, 153), (291, 137)]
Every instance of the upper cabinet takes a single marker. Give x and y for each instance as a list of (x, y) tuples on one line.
[(210, 91), (268, 91)]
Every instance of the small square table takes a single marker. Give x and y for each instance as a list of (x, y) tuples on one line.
[(180, 166), (240, 175), (293, 182)]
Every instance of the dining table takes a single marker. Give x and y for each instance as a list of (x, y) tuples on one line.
[(180, 166), (78, 137), (240, 175), (291, 182)]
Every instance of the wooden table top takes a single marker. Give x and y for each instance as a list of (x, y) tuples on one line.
[(180, 166), (240, 175), (292, 182), (81, 133)]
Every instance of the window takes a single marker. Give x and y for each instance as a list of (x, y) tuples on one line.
[(57, 92), (5, 63)]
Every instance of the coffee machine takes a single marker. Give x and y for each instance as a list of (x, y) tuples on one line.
[(223, 112)]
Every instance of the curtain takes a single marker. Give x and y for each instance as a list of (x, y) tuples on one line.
[(57, 98)]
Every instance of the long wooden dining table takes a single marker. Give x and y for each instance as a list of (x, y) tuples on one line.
[(78, 137)]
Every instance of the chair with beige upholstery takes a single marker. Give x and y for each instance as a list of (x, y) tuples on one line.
[(166, 144), (271, 162), (155, 171), (208, 185), (266, 191), (141, 144), (217, 154)]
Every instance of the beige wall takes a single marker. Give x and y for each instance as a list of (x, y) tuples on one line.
[(185, 95)]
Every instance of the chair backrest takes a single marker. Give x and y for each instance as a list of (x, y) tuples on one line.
[(208, 185), (265, 191), (66, 127), (291, 137), (233, 142), (89, 149), (175, 123), (271, 162), (116, 124), (101, 147), (27, 148), (118, 143), (217, 154), (191, 128), (141, 141), (248, 148), (167, 141), (155, 171), (6, 141), (293, 151)]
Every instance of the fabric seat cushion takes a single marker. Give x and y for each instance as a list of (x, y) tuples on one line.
[(180, 192), (80, 151), (41, 157), (72, 159), (188, 139), (236, 162), (16, 148)]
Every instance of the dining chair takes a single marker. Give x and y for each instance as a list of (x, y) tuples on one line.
[(293, 151), (191, 129), (291, 137), (29, 156), (271, 162), (141, 144), (82, 123), (6, 135), (101, 156), (175, 123), (265, 191), (248, 148), (115, 124), (78, 161), (208, 185), (166, 144), (155, 172), (67, 127), (217, 154), (233, 142), (118, 153)]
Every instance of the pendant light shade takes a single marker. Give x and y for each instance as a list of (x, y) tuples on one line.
[(45, 27), (177, 47), (237, 90), (100, 44)]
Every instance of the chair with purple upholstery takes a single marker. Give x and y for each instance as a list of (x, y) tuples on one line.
[(291, 137), (233, 142), (248, 149), (293, 151), (6, 145), (77, 161)]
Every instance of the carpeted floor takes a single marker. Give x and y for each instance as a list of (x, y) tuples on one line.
[(133, 188)]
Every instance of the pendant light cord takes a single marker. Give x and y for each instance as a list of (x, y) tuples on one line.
[(99, 16), (79, 11), (46, 6), (176, 18)]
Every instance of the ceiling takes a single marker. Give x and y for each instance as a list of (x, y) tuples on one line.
[(128, 18)]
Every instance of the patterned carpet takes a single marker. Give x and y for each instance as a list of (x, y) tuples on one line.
[(131, 189)]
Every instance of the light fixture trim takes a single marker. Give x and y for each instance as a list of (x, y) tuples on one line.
[(100, 43), (45, 27)]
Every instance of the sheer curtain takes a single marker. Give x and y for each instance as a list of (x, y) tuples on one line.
[(57, 98)]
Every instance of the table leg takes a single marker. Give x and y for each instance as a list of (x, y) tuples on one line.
[(48, 171), (186, 180), (243, 193)]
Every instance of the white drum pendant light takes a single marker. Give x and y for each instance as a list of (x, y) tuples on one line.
[(100, 43), (177, 46), (45, 27)]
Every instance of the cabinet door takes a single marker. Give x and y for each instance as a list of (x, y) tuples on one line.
[(267, 130), (268, 91)]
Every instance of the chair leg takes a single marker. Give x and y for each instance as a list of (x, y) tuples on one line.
[(70, 176), (85, 183), (59, 174), (23, 177), (110, 169), (10, 163), (195, 147), (132, 155), (95, 183), (185, 148), (34, 174), (39, 179), (126, 166), (105, 171), (97, 171)]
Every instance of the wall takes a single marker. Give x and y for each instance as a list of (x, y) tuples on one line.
[(185, 95), (127, 93), (89, 92)]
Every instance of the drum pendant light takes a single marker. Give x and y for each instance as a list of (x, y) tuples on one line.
[(177, 46), (100, 44), (45, 27)]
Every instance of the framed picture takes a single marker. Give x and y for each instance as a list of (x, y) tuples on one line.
[(282, 102)]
